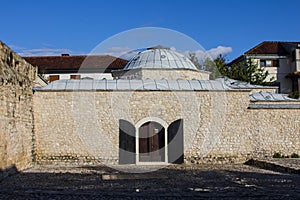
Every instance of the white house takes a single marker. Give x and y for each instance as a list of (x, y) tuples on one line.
[(281, 60)]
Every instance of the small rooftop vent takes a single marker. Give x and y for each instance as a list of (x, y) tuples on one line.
[(158, 47)]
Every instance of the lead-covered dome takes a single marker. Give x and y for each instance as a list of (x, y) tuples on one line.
[(160, 57)]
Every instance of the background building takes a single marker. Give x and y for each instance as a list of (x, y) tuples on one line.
[(281, 59), (54, 68)]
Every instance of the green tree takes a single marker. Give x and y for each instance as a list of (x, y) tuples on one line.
[(247, 71), (195, 61), (209, 65), (220, 66), (212, 67)]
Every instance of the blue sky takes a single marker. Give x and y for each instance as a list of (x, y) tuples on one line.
[(77, 27)]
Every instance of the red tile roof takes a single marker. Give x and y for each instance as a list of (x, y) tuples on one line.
[(75, 64), (271, 48)]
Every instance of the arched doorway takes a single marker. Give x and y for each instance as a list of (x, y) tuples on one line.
[(151, 140)]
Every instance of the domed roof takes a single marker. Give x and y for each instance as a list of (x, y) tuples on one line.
[(159, 57)]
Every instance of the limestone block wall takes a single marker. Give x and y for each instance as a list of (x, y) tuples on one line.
[(16, 111), (247, 133), (83, 126), (218, 126), (276, 130)]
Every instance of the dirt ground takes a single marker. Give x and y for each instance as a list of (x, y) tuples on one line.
[(171, 182)]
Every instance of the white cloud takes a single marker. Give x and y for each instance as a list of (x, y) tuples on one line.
[(220, 50), (127, 53), (44, 52), (40, 51), (122, 52), (117, 51), (211, 53), (173, 48)]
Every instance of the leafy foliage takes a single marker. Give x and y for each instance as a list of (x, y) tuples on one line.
[(294, 95), (194, 59), (210, 65), (294, 155), (278, 155), (248, 71)]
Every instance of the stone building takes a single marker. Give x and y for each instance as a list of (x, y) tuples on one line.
[(161, 109)]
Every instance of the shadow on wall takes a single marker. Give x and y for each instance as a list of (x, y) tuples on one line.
[(8, 171)]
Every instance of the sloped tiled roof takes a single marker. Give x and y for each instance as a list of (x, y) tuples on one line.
[(74, 64), (271, 48)]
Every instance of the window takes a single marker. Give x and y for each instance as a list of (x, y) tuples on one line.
[(262, 63), (293, 55), (268, 63), (53, 78), (75, 76), (275, 63)]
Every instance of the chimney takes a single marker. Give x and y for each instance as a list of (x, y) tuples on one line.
[(65, 54)]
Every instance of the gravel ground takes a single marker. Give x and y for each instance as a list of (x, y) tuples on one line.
[(171, 182)]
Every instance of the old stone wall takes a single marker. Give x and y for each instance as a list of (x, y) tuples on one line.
[(276, 130), (249, 133), (16, 111), (218, 126)]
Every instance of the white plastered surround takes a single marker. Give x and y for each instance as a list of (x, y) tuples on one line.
[(137, 126)]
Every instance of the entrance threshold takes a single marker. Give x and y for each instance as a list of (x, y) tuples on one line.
[(152, 163)]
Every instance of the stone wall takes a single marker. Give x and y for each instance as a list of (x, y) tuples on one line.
[(16, 114), (218, 126)]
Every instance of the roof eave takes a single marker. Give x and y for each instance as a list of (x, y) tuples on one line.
[(270, 56)]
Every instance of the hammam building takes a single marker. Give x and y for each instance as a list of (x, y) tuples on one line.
[(159, 109)]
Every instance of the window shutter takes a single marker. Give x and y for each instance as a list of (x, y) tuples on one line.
[(175, 142), (53, 78), (126, 142)]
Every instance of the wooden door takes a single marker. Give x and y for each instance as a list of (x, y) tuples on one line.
[(151, 142)]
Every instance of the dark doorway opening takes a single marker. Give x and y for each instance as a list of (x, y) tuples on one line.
[(151, 142)]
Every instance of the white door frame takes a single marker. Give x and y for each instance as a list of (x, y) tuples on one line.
[(137, 127)]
